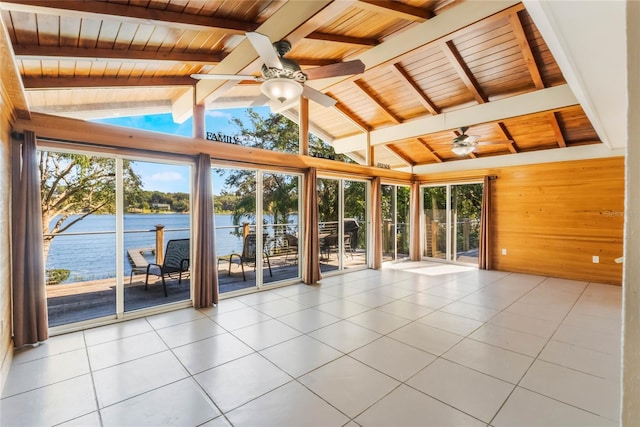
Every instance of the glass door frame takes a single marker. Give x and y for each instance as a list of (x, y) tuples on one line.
[(260, 225), (450, 227), (341, 217), (394, 220), (119, 250)]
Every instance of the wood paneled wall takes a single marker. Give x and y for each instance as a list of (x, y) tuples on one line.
[(13, 105), (553, 218), (6, 344)]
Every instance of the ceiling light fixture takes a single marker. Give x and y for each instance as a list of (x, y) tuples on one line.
[(282, 90), (463, 150)]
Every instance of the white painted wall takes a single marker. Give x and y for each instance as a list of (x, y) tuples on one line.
[(630, 411)]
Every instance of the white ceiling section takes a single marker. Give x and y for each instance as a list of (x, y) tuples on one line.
[(588, 40)]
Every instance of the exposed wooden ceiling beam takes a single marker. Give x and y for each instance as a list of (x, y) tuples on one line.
[(399, 10), (414, 88), (525, 47), (432, 153), (10, 81), (133, 14), (387, 112), (97, 54), (551, 98), (109, 109), (553, 120), (513, 147), (456, 60), (352, 118), (399, 154), (39, 83), (337, 38), (53, 127)]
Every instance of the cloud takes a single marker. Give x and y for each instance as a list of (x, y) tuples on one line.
[(166, 177), (217, 113)]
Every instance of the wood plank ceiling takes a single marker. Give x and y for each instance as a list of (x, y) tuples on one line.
[(424, 59)]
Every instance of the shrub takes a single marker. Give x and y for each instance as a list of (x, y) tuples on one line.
[(57, 276)]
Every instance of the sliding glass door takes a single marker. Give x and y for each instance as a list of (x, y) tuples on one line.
[(106, 220), (256, 228), (281, 228), (395, 222), (466, 206), (451, 222), (156, 232), (342, 206)]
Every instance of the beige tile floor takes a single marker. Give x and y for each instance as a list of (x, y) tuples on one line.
[(414, 344)]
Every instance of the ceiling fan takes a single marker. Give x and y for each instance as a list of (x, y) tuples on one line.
[(283, 79), (464, 144)]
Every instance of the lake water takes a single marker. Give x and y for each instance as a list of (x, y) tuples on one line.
[(92, 256)]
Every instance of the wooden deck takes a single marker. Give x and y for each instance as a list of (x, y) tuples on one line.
[(80, 301)]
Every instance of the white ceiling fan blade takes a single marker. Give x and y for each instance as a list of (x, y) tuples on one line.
[(277, 107), (260, 100), (317, 96), (223, 77), (264, 47)]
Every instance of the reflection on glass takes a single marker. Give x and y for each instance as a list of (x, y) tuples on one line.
[(466, 204), (434, 201), (78, 207), (281, 231), (461, 216), (395, 222), (234, 207)]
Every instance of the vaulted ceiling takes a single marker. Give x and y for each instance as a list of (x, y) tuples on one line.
[(431, 67)]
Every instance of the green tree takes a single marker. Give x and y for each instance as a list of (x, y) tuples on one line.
[(74, 186), (277, 133)]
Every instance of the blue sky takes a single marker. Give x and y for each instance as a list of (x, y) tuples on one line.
[(175, 178)]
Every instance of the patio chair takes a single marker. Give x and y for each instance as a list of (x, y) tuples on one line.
[(292, 246), (176, 262), (247, 256)]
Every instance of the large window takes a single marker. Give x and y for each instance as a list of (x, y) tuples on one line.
[(451, 222), (105, 220)]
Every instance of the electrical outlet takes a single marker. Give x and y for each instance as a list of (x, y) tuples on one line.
[(504, 251), (595, 259)]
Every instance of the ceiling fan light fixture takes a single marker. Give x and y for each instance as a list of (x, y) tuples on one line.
[(281, 89), (463, 150)]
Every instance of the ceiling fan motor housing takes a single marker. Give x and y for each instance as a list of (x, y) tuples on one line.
[(290, 70)]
